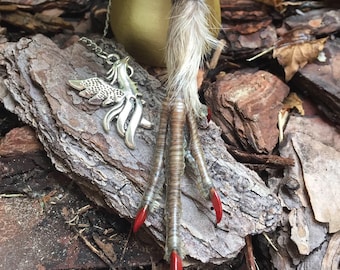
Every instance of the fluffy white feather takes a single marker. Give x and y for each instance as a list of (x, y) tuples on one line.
[(189, 39)]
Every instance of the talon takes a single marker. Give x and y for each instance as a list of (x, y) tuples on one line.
[(188, 25), (209, 114), (175, 261), (216, 201), (140, 218)]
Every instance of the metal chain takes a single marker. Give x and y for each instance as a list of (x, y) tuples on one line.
[(110, 59), (125, 100), (99, 51), (107, 20)]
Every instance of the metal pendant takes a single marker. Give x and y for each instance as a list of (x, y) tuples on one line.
[(117, 91)]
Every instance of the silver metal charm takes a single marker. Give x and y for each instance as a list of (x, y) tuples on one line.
[(117, 91)]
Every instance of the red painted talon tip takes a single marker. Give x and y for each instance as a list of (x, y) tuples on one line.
[(175, 261), (216, 201), (209, 114), (140, 218)]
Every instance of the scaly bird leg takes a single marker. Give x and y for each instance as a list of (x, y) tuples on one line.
[(155, 183), (189, 39), (204, 182), (174, 172), (176, 117)]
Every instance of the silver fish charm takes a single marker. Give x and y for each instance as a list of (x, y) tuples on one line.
[(120, 93)]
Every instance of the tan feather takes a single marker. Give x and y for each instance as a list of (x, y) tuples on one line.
[(189, 39)]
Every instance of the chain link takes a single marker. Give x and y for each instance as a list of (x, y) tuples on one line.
[(110, 59), (98, 50), (107, 20)]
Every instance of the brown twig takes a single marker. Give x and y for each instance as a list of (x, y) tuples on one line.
[(250, 259), (272, 161)]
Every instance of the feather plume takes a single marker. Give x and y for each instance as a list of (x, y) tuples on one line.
[(189, 39)]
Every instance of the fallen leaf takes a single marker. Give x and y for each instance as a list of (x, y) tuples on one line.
[(106, 248), (297, 35), (297, 55), (293, 102), (290, 103)]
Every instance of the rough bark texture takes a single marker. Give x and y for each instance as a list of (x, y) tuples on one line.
[(310, 193), (41, 211), (321, 80), (40, 16), (35, 72), (38, 5), (246, 27), (245, 105)]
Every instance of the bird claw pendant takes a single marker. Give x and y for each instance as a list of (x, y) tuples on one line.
[(119, 93)]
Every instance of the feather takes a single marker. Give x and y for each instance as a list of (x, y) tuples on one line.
[(189, 39)]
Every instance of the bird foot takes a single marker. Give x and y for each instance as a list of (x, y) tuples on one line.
[(171, 140)]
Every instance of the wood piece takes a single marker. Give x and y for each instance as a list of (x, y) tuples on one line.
[(321, 80), (114, 176), (322, 21), (19, 141), (332, 257), (246, 105), (35, 238), (301, 233), (33, 234), (322, 178), (317, 148), (247, 28), (42, 16), (35, 206), (33, 193), (244, 16), (264, 161), (38, 5), (37, 23), (249, 254)]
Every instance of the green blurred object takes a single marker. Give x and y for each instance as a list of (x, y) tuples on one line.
[(141, 26)]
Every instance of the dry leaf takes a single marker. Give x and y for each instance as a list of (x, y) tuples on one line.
[(293, 102), (295, 56), (106, 248)]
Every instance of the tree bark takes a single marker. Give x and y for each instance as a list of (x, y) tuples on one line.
[(35, 72)]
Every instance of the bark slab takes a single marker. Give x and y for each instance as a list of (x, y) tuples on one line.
[(35, 72), (310, 194), (245, 104), (321, 80)]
